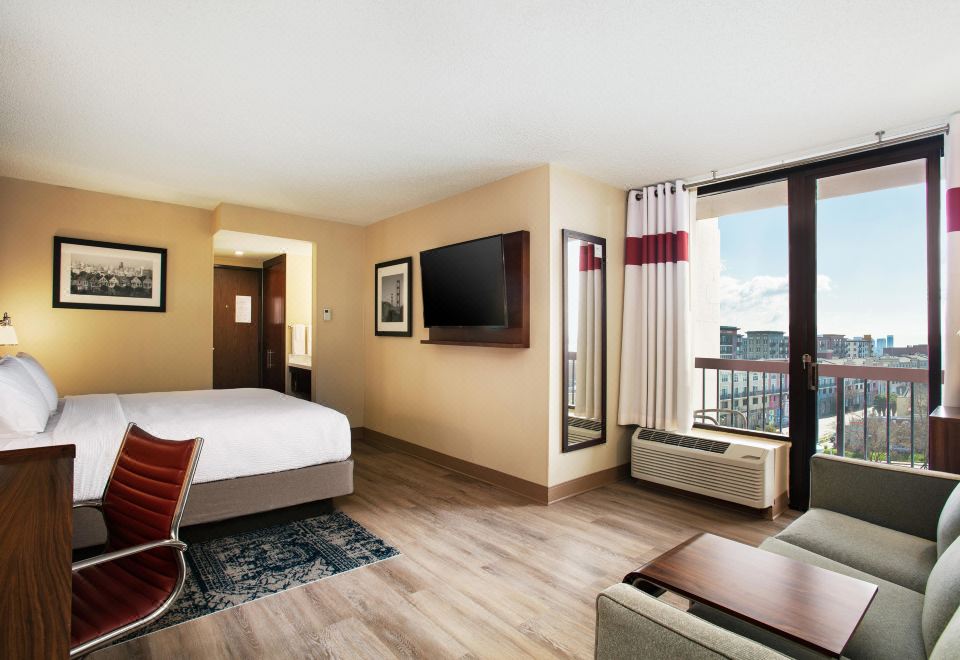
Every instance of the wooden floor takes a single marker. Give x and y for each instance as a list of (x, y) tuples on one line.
[(483, 573)]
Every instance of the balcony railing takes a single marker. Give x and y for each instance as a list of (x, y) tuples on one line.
[(755, 395)]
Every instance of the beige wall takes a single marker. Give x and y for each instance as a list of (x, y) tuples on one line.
[(299, 290), (337, 274), (299, 307), (107, 351), (483, 405), (589, 206), (499, 408)]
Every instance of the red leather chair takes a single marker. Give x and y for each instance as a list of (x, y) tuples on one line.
[(142, 570)]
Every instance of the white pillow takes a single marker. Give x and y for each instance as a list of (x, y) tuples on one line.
[(41, 378), (23, 409)]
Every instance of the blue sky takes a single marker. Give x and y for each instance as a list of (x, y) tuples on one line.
[(871, 266)]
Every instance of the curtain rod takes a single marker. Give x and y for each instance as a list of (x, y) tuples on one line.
[(881, 141)]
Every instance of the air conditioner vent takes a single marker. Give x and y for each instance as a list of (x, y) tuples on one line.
[(742, 470), (688, 442)]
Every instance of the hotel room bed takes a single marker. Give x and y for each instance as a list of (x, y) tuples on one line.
[(262, 450)]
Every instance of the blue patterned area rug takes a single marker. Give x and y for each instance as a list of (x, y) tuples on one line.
[(226, 572)]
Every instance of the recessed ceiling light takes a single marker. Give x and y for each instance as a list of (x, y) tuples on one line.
[(238, 253)]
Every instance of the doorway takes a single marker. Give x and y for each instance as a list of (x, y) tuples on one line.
[(263, 311)]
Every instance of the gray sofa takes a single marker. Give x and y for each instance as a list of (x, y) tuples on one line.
[(894, 527)]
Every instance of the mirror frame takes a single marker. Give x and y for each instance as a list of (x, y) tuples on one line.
[(569, 235)]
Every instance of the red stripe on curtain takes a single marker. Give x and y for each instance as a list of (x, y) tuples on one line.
[(953, 209), (667, 248), (587, 259)]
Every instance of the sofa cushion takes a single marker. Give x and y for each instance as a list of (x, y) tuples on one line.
[(890, 628), (775, 642), (632, 624), (948, 527), (905, 560), (942, 597), (948, 646)]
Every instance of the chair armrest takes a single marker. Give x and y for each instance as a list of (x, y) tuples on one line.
[(901, 498), (631, 623), (93, 504), (126, 552)]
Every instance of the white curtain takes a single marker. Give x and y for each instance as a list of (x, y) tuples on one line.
[(587, 396), (656, 360), (951, 340)]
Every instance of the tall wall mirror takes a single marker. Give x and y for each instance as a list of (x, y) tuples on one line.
[(584, 341)]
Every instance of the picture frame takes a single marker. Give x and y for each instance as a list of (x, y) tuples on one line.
[(393, 298), (108, 276)]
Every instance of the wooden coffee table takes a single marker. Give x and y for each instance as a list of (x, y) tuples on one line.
[(807, 604)]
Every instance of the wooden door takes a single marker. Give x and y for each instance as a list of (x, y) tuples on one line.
[(274, 323), (236, 341)]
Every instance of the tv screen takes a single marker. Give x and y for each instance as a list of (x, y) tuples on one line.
[(464, 284)]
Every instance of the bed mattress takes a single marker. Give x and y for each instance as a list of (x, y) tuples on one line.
[(245, 432)]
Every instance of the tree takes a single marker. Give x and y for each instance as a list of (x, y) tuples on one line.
[(900, 441), (880, 403)]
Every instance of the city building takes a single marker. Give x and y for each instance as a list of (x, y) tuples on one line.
[(766, 345), (731, 342), (831, 346), (860, 347), (879, 344), (915, 349)]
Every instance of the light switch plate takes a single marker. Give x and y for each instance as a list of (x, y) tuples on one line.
[(327, 315)]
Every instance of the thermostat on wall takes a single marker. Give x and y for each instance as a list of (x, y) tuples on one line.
[(326, 314)]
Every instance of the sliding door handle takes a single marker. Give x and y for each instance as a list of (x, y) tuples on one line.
[(812, 369)]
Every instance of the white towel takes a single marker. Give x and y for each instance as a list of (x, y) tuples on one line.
[(309, 340), (298, 339)]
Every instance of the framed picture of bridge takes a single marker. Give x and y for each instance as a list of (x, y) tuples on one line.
[(393, 295), (112, 276)]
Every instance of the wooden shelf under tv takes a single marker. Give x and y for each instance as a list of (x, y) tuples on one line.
[(516, 262), (488, 344)]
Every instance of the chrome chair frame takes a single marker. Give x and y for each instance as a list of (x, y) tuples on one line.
[(172, 542), (704, 417)]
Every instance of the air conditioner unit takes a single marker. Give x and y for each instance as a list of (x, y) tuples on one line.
[(735, 468)]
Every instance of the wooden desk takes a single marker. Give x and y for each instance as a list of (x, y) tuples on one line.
[(810, 605), (944, 454), (36, 526)]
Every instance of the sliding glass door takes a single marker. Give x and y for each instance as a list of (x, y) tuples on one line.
[(865, 308), (827, 327)]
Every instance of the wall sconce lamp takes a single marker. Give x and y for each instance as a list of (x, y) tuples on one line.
[(8, 336)]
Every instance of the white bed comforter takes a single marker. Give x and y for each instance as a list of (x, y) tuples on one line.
[(245, 432)]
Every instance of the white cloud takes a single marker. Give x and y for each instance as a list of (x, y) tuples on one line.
[(759, 303)]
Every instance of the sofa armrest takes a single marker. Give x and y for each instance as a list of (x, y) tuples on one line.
[(900, 498), (633, 624)]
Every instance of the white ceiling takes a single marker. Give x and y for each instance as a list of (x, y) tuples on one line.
[(355, 111)]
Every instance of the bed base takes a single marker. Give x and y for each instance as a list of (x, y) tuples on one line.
[(228, 499)]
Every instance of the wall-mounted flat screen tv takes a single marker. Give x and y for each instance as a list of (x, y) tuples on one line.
[(464, 284)]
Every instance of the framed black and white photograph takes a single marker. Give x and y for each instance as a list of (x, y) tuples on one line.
[(393, 297), (99, 275)]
